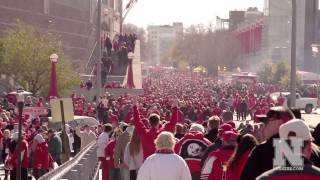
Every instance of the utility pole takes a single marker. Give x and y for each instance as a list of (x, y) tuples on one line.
[(293, 55), (121, 13), (98, 60)]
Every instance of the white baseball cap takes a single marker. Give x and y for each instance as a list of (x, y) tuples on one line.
[(295, 128), (196, 128)]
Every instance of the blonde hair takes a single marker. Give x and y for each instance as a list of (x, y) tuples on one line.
[(165, 140), (134, 144), (214, 122)]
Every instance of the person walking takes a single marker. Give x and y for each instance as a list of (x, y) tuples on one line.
[(12, 161), (6, 149), (120, 147), (164, 164), (215, 165), (261, 158), (148, 135), (240, 156), (133, 155), (102, 142), (55, 146), (295, 131), (42, 160), (192, 147)]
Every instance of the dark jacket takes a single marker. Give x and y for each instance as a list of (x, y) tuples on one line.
[(260, 160), (55, 146), (217, 144), (309, 172), (212, 135)]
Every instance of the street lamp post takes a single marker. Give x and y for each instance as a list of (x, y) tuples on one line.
[(315, 51), (53, 86), (98, 60), (293, 55), (20, 98)]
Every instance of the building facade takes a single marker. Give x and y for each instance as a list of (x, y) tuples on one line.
[(278, 15), (73, 21), (161, 39)]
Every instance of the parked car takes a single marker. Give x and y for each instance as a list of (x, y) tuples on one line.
[(302, 103), (77, 121)]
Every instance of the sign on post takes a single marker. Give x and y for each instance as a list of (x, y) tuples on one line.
[(60, 107), (62, 111)]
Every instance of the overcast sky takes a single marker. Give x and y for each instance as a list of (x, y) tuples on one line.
[(189, 12)]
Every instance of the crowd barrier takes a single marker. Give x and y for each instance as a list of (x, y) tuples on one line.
[(84, 165)]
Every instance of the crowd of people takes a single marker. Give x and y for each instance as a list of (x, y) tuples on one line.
[(185, 126), (120, 45)]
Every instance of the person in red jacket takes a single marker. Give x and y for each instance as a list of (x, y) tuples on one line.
[(42, 161), (148, 135), (112, 171), (240, 156), (12, 159), (215, 165), (192, 147)]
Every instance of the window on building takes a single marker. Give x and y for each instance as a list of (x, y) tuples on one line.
[(46, 6)]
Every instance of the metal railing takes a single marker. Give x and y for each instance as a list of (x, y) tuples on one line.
[(92, 58), (85, 165)]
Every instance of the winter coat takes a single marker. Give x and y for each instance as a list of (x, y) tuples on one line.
[(109, 151), (164, 167), (308, 172), (102, 142), (213, 167), (260, 160), (24, 156), (42, 159), (191, 148), (234, 172), (55, 146), (120, 147)]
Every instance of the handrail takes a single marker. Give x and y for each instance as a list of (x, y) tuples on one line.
[(91, 55), (59, 172), (95, 174)]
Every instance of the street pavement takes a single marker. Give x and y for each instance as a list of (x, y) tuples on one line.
[(312, 119)]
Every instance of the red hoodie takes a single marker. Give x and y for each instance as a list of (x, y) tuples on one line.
[(42, 159), (191, 148), (234, 173), (213, 167), (148, 135), (25, 158)]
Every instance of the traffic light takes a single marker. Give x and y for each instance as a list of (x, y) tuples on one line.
[(224, 68)]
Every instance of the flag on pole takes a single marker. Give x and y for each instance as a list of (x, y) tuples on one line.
[(130, 3)]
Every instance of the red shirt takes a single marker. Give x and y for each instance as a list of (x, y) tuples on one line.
[(41, 159), (25, 160), (148, 135), (109, 151)]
